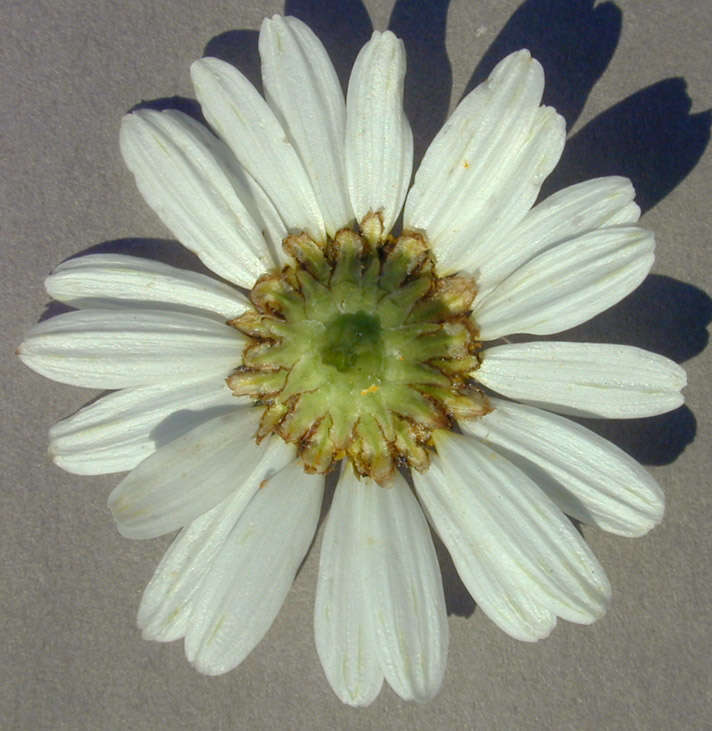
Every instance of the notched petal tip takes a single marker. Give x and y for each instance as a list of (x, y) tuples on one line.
[(278, 23), (517, 62), (133, 124), (202, 68), (385, 37)]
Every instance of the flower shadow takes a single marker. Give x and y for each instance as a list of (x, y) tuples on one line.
[(650, 137)]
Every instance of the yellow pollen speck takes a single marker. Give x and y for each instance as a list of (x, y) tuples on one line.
[(371, 389), (466, 164)]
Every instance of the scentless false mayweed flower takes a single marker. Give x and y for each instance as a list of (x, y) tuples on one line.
[(362, 350)]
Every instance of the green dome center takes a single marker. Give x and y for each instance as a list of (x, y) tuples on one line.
[(353, 343)]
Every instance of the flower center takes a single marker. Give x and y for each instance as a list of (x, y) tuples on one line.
[(353, 343), (359, 350)]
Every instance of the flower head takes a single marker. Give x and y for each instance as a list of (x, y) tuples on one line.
[(362, 347)]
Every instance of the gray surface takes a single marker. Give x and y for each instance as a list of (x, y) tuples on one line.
[(70, 585)]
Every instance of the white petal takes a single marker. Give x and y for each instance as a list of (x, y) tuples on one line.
[(193, 191), (568, 284), (495, 515), (113, 280), (188, 476), (562, 216), (345, 638), (120, 348), (121, 429), (588, 379), (403, 588), (168, 599), (244, 120), (479, 563), (593, 480), (302, 88), (379, 141), (166, 603), (510, 197), (249, 193), (487, 163), (251, 575)]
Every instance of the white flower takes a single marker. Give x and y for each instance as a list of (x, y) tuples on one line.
[(360, 347)]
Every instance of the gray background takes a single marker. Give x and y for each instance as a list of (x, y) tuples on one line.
[(633, 80)]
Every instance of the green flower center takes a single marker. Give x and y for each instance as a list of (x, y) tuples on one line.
[(359, 350), (353, 343)]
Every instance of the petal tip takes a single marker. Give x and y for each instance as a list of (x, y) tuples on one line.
[(201, 67)]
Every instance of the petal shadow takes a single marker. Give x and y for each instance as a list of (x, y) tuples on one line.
[(180, 103), (239, 48), (164, 250), (183, 421), (343, 26), (650, 137), (428, 82), (657, 440), (667, 317), (458, 600), (574, 40), (663, 315)]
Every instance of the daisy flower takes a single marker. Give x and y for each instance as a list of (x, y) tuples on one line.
[(362, 346)]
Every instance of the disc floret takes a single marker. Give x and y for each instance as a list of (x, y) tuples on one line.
[(359, 349)]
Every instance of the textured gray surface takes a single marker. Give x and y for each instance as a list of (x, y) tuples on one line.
[(622, 75)]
